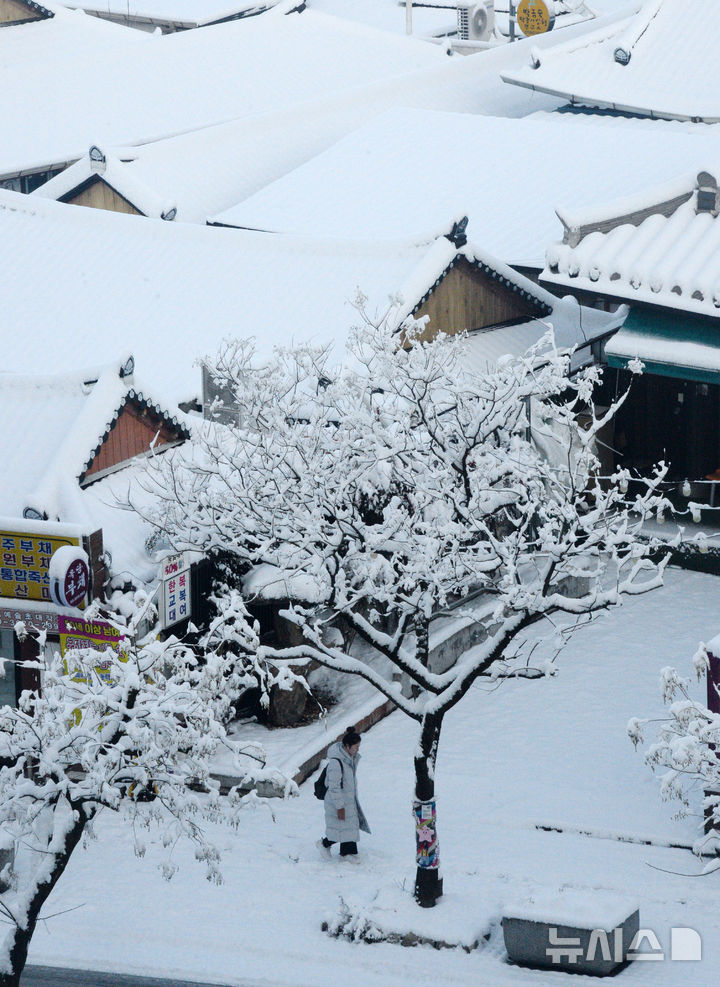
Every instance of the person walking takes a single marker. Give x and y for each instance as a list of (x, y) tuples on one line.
[(344, 817)]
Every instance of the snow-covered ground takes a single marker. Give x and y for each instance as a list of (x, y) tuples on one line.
[(552, 752)]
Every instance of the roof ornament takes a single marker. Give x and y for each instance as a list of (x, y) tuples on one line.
[(708, 197), (128, 368), (97, 159), (457, 235), (622, 55)]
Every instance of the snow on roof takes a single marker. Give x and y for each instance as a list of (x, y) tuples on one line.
[(662, 62), (188, 13), (50, 436), (158, 86), (170, 293), (661, 248), (574, 326), (507, 175), (97, 165), (209, 170)]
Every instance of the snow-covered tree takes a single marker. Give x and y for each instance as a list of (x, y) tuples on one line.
[(130, 729), (381, 492), (686, 748)]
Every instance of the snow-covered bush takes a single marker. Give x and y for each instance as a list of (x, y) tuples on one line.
[(377, 493), (686, 748), (132, 730)]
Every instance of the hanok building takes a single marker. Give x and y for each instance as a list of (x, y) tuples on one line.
[(659, 252), (65, 440), (661, 62), (102, 181), (294, 70), (170, 293), (171, 15), (355, 189)]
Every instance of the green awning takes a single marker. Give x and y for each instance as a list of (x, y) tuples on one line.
[(671, 344)]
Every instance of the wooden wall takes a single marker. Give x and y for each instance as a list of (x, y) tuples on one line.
[(98, 195), (134, 430), (469, 299), (15, 12)]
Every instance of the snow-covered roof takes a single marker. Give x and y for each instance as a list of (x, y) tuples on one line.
[(209, 170), (574, 327), (111, 169), (507, 175), (52, 429), (131, 87), (170, 293), (572, 331), (183, 13), (676, 349), (662, 62), (660, 248)]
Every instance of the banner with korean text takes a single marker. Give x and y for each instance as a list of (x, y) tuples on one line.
[(25, 561)]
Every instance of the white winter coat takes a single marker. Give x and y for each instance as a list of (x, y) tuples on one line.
[(342, 794)]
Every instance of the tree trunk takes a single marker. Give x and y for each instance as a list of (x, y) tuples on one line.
[(20, 938), (428, 881)]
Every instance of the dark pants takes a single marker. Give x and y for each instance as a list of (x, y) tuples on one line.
[(346, 849)]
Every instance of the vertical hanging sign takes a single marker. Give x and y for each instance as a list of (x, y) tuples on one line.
[(176, 599)]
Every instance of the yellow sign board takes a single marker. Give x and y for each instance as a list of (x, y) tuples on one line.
[(535, 16), (24, 563)]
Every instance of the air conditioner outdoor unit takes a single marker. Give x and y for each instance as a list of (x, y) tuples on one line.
[(476, 21)]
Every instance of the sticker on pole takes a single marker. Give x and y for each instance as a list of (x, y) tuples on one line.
[(69, 575)]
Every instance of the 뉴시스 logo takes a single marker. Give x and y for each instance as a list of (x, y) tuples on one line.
[(685, 946)]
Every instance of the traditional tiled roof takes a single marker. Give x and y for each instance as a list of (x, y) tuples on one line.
[(179, 13), (170, 293), (508, 175), (55, 427), (115, 172), (662, 62), (662, 248), (119, 86)]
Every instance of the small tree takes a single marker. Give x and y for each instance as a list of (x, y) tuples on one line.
[(131, 730), (687, 749), (381, 493)]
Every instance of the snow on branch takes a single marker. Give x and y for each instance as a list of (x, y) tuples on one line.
[(397, 484), (132, 729)]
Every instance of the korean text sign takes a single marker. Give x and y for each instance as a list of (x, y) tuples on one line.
[(24, 563), (176, 590)]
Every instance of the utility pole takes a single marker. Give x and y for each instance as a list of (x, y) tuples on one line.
[(511, 13), (408, 16)]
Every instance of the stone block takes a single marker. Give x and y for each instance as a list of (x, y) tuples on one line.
[(584, 935)]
